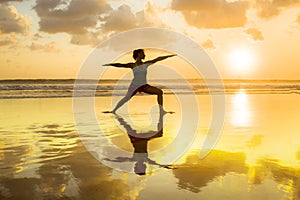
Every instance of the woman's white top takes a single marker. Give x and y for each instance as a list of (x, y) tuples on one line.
[(140, 75)]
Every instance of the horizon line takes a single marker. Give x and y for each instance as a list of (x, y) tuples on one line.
[(114, 79)]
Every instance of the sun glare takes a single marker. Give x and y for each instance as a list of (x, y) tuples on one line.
[(240, 110), (241, 60)]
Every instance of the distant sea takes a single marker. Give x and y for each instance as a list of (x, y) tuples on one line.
[(57, 88)]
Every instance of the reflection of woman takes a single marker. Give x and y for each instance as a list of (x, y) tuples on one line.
[(140, 145), (139, 82)]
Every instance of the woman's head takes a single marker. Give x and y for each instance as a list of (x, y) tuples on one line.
[(138, 53)]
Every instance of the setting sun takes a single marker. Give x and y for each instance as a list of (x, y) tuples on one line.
[(241, 60)]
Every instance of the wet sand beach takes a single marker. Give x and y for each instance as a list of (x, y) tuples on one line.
[(42, 154)]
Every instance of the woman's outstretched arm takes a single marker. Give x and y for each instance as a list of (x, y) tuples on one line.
[(159, 59), (126, 65)]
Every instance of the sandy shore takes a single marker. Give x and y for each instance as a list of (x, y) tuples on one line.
[(43, 156)]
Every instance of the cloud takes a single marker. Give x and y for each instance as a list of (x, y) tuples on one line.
[(208, 44), (89, 22), (48, 47), (37, 36), (149, 16), (120, 19), (212, 13), (87, 38), (255, 34), (6, 1), (124, 19), (74, 16), (7, 40), (269, 9), (11, 21)]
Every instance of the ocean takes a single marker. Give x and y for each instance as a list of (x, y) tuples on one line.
[(57, 88)]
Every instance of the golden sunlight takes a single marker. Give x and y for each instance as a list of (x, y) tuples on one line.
[(241, 60), (240, 110)]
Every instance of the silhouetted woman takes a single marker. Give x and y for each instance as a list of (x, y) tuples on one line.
[(139, 82)]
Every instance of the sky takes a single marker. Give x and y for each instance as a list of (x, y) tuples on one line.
[(246, 39)]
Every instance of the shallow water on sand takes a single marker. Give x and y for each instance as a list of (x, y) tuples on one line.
[(257, 156)]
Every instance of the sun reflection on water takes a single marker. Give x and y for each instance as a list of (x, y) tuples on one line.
[(241, 115)]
